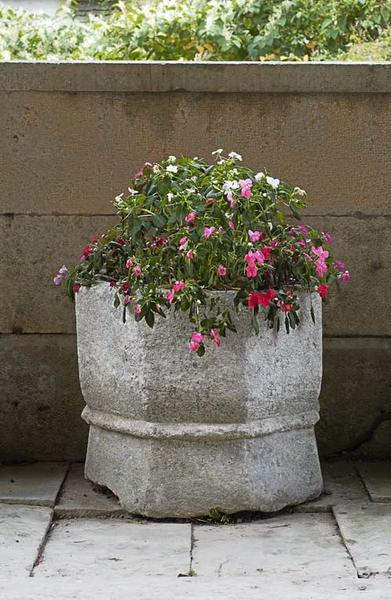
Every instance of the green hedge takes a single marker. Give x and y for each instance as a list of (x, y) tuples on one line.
[(202, 30)]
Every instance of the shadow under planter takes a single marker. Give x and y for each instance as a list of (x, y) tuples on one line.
[(175, 435)]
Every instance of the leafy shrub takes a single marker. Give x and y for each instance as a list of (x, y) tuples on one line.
[(198, 30), (188, 227)]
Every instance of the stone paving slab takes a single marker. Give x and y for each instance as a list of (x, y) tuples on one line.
[(37, 484), (80, 498), (366, 531), (377, 479), (190, 588), (298, 547), (85, 547), (22, 531), (341, 483)]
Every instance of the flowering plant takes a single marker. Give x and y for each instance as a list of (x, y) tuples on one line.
[(188, 227)]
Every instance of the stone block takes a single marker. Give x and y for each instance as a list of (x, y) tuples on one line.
[(377, 479), (40, 399), (37, 484)]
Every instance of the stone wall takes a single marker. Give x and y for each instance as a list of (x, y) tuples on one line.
[(71, 136)]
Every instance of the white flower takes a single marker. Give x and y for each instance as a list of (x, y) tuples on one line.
[(219, 151), (156, 169), (132, 192), (118, 198), (300, 192), (171, 158), (230, 185), (172, 169), (170, 196), (274, 183), (235, 155), (190, 190), (259, 176)]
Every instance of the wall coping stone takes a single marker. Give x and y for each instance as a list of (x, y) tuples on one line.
[(205, 76)]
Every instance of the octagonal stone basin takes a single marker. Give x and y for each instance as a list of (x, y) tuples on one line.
[(176, 435)]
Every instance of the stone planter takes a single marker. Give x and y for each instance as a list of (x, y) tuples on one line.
[(175, 435)]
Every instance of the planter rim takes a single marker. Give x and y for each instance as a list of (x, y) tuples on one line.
[(196, 431)]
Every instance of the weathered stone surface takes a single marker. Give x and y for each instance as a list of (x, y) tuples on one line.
[(349, 313), (347, 135), (80, 498), (22, 530), (366, 531), (355, 394), (37, 484), (378, 444), (80, 547), (377, 479), (35, 248), (41, 400), (173, 435), (341, 484), (294, 547)]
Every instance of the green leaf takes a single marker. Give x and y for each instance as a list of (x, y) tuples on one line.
[(150, 318)]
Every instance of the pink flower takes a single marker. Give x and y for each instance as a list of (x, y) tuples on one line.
[(137, 309), (76, 287), (214, 334), (125, 286), (129, 263), (254, 236), (182, 243), (57, 280), (127, 299), (208, 231), (191, 217), (170, 296), (339, 265), (323, 290), (231, 200), (251, 270), (257, 256), (178, 286), (320, 253), (246, 185), (328, 238), (137, 271), (190, 254), (222, 270), (345, 276), (221, 230), (231, 225), (196, 341), (320, 267)]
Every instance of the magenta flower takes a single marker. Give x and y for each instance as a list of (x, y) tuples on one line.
[(182, 243), (345, 276), (190, 254), (303, 229), (137, 271), (191, 217), (214, 334), (196, 341), (127, 299), (339, 265), (208, 231), (320, 253), (257, 256), (178, 286), (328, 238), (76, 287), (129, 263), (254, 236), (137, 309), (246, 185), (231, 225), (222, 270)]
